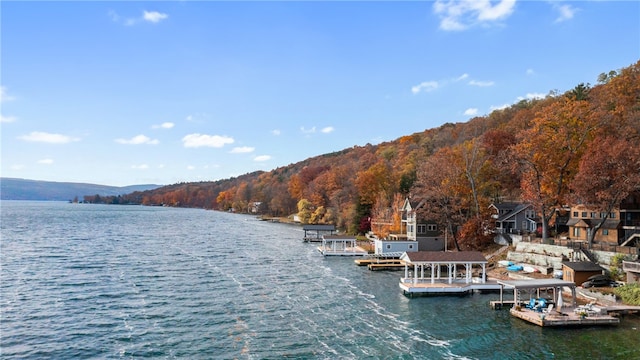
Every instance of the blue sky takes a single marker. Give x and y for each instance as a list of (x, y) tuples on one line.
[(122, 93)]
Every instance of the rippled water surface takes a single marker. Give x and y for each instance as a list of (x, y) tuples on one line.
[(92, 281)]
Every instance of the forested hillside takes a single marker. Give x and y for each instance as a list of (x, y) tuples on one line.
[(576, 146)]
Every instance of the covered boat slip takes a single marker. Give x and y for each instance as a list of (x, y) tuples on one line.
[(440, 272), (315, 232), (555, 311), (340, 245)]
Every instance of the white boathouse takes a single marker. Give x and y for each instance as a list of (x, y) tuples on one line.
[(340, 245), (442, 272)]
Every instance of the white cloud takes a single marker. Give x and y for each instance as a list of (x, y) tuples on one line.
[(45, 161), (275, 132), (242, 150), (140, 167), (7, 119), (424, 86), (532, 96), (327, 130), (262, 158), (566, 12), (44, 137), (462, 77), (530, 72), (148, 16), (164, 125), (308, 131), (498, 107), (458, 15), (481, 83), (154, 16), (4, 95), (200, 140), (138, 140), (471, 111), (191, 167)]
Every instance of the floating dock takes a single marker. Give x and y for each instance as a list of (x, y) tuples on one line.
[(567, 317), (441, 287), (554, 312)]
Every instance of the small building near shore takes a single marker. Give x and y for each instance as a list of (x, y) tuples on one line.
[(386, 246), (579, 271)]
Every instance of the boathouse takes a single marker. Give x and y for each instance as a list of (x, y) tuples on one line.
[(340, 245), (314, 232), (445, 272)]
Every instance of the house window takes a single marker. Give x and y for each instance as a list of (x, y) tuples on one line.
[(593, 215), (603, 215), (388, 246), (612, 215), (605, 231), (524, 225), (422, 228), (576, 232), (584, 214), (575, 214), (432, 227), (410, 229)]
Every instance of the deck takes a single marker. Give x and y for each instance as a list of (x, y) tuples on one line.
[(568, 317), (345, 251), (411, 288)]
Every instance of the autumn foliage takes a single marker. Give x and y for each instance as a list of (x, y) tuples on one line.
[(579, 146)]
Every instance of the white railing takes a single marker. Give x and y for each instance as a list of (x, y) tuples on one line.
[(631, 266)]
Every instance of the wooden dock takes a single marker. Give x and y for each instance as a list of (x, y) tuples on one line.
[(458, 287), (398, 265), (566, 318)]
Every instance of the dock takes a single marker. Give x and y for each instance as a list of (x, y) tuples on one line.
[(545, 312), (567, 317), (459, 287)]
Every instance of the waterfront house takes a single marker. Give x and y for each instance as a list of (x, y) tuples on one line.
[(514, 218), (413, 228), (620, 227)]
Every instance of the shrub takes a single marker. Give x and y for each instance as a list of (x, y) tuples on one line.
[(629, 294)]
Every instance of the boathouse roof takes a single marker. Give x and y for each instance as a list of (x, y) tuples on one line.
[(319, 227), (444, 257), (582, 265), (536, 283)]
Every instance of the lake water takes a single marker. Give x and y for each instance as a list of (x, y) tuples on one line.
[(109, 282)]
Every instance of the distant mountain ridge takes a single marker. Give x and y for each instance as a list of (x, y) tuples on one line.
[(24, 189)]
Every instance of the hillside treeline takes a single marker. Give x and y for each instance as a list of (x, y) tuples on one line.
[(580, 146)]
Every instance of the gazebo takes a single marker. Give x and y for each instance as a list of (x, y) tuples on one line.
[(436, 260)]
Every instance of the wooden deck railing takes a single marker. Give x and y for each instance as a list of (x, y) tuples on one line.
[(631, 266)]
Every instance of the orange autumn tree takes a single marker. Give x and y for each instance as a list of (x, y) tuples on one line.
[(549, 152), (609, 172)]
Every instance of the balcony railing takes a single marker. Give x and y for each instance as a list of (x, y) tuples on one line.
[(631, 266)]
